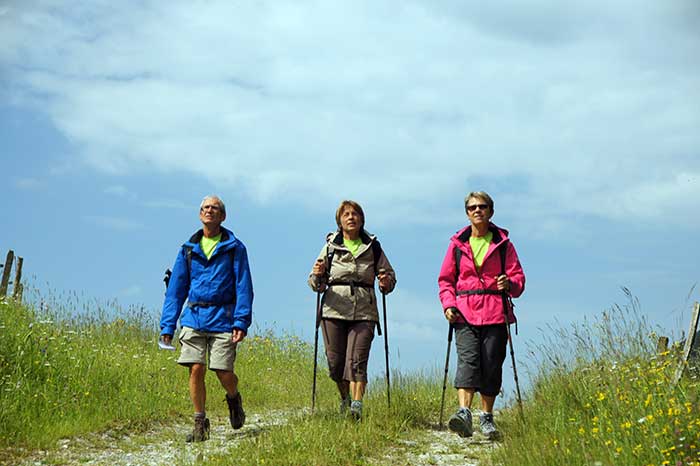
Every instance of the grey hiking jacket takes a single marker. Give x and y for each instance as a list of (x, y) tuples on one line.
[(349, 292)]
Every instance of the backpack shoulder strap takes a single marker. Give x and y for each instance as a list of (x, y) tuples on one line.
[(188, 256), (507, 301), (376, 253), (503, 257), (329, 258), (458, 259)]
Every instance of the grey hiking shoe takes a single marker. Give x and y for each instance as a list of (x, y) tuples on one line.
[(488, 427), (461, 423), (356, 409), (200, 432), (235, 410)]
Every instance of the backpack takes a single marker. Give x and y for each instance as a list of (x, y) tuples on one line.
[(376, 254), (188, 256), (507, 301)]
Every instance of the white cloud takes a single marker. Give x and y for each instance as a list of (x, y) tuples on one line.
[(29, 183), (413, 318), (403, 105)]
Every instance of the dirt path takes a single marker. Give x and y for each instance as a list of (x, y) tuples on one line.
[(439, 448), (164, 445)]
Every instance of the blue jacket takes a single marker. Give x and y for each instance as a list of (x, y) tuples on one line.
[(219, 290)]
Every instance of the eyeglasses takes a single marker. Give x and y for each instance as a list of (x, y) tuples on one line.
[(473, 207)]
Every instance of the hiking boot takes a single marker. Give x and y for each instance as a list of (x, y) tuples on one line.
[(356, 409), (461, 422), (200, 432), (488, 427), (235, 410)]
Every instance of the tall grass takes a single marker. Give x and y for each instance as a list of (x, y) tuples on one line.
[(63, 377), (603, 396), (64, 373)]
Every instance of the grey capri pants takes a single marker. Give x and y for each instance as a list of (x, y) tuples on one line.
[(481, 350), (347, 345)]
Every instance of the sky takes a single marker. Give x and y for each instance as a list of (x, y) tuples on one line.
[(579, 118)]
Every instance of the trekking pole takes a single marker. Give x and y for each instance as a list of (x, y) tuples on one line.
[(506, 299), (318, 322), (386, 352), (447, 366)]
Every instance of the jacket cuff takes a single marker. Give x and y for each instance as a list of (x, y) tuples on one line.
[(240, 326)]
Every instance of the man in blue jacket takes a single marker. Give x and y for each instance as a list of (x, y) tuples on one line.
[(211, 272)]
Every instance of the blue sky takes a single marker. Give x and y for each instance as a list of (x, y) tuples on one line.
[(581, 120)]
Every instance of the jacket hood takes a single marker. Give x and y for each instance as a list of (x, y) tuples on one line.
[(228, 240), (336, 237), (461, 238)]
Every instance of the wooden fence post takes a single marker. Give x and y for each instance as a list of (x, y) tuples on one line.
[(6, 273), (689, 344), (18, 287)]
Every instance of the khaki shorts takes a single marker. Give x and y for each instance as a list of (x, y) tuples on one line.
[(197, 346)]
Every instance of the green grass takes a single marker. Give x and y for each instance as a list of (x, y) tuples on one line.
[(327, 438), (64, 377), (602, 396), (66, 373)]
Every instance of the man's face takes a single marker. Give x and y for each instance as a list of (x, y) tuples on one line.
[(210, 213)]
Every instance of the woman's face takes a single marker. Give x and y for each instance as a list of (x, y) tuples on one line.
[(350, 220), (478, 211)]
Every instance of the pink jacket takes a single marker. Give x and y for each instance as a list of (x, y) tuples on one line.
[(480, 309)]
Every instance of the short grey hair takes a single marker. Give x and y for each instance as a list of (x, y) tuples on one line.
[(483, 195), (218, 200)]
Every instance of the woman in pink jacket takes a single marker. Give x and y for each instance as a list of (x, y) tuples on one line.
[(479, 275)]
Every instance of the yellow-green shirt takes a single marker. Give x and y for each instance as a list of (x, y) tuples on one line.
[(353, 245), (480, 246), (209, 244)]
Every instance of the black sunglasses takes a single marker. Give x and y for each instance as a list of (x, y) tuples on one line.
[(473, 207)]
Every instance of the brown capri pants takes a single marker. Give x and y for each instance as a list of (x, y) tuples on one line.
[(347, 345)]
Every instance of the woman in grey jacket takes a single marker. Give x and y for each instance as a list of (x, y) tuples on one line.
[(345, 271)]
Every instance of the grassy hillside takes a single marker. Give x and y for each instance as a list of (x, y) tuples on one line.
[(64, 374), (601, 395)]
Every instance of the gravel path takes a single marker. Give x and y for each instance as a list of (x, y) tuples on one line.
[(164, 445), (439, 448)]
